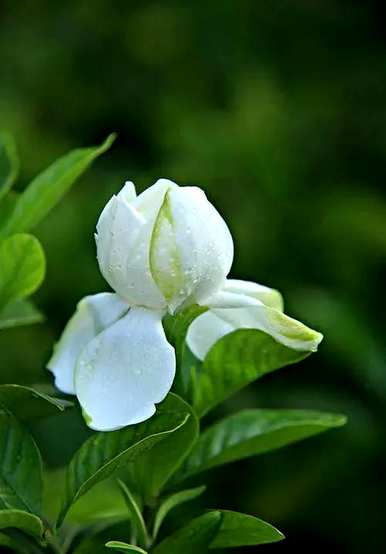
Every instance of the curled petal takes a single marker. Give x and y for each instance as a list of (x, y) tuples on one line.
[(123, 238), (209, 327), (192, 248), (93, 314), (269, 297), (124, 371)]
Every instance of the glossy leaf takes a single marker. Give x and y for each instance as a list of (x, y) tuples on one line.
[(9, 163), (22, 267), (20, 467), (244, 530), (219, 529), (20, 312), (28, 404), (253, 432), (44, 192), (103, 453), (176, 328), (173, 501), (124, 547), (235, 361), (23, 521), (136, 517), (194, 538), (148, 478)]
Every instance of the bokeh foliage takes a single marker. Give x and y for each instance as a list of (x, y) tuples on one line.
[(278, 110)]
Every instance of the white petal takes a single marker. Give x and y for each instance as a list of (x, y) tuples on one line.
[(93, 315), (193, 249), (269, 297), (125, 371), (123, 238), (128, 192), (283, 329)]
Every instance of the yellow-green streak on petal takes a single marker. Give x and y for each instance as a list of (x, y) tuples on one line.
[(165, 264), (295, 330)]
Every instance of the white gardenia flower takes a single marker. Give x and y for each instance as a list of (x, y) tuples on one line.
[(160, 252)]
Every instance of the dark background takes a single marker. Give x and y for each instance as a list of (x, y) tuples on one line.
[(278, 110)]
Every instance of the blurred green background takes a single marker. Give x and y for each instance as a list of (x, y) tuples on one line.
[(278, 110)]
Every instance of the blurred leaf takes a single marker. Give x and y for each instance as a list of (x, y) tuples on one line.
[(26, 403), (20, 312), (24, 521), (173, 501), (22, 267), (242, 530), (253, 432), (195, 537), (235, 361), (103, 453), (9, 542), (9, 163), (148, 478), (21, 480), (136, 518), (45, 191), (7, 205), (124, 547)]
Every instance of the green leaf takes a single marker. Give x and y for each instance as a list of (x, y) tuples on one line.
[(194, 538), (173, 501), (253, 432), (218, 529), (104, 453), (21, 480), (7, 205), (136, 518), (24, 521), (176, 328), (26, 403), (147, 478), (20, 312), (22, 267), (235, 361), (9, 163), (45, 191), (9, 542), (124, 547), (244, 530)]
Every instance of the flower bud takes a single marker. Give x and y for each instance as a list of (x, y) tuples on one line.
[(166, 247)]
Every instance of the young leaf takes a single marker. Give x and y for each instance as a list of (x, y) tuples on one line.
[(124, 547), (253, 432), (103, 453), (195, 537), (136, 518), (244, 530), (235, 361), (22, 267), (26, 403), (9, 163), (20, 312), (23, 521), (44, 192), (171, 502), (20, 467), (148, 478)]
